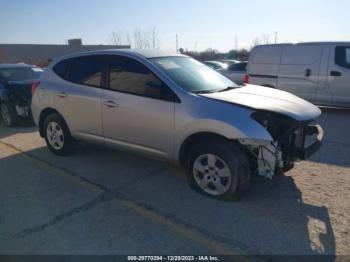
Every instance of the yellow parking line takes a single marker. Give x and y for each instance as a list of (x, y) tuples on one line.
[(190, 234)]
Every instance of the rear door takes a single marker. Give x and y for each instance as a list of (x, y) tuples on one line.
[(78, 98), (339, 75), (138, 108), (299, 70)]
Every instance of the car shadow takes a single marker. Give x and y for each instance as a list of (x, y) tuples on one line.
[(282, 202), (270, 219)]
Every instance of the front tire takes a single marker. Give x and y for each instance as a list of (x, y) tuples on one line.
[(8, 114), (57, 135), (218, 169)]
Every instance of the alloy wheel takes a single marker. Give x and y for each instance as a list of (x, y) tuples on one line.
[(212, 174), (55, 135)]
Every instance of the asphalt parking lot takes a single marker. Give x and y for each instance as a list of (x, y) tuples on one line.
[(100, 201)]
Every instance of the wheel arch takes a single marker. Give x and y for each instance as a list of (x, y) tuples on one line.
[(197, 138), (45, 113)]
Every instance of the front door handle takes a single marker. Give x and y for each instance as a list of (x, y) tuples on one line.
[(308, 72), (335, 73), (62, 94), (110, 103)]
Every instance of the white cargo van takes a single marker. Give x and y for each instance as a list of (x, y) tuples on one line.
[(318, 72)]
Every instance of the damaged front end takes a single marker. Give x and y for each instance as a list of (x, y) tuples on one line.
[(291, 142), (18, 95)]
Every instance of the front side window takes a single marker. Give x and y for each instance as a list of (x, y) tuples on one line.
[(87, 70), (130, 76), (192, 75), (342, 56)]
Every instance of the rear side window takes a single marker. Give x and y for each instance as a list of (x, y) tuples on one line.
[(130, 76), (87, 70), (238, 67), (61, 68), (342, 56)]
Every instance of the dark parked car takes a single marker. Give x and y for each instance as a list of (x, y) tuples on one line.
[(16, 82)]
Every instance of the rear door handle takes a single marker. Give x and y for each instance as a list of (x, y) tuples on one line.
[(110, 103), (335, 73), (62, 94)]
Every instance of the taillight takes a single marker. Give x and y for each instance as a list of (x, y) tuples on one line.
[(246, 79), (35, 86)]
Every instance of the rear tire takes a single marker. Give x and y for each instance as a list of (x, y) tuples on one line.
[(218, 169), (57, 135), (8, 114)]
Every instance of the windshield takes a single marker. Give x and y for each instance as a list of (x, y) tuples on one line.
[(192, 75), (19, 74)]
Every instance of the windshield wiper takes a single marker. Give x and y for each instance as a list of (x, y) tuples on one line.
[(227, 89)]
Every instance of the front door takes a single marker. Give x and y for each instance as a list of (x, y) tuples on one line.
[(136, 110)]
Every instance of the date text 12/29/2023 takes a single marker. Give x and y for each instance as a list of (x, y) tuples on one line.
[(173, 258)]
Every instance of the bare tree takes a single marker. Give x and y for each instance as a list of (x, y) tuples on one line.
[(146, 39), (117, 38), (266, 39), (154, 38), (128, 38), (256, 42), (139, 38)]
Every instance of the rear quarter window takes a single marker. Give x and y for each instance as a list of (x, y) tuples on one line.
[(87, 70), (61, 68)]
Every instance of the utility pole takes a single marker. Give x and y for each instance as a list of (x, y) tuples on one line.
[(276, 35), (236, 43), (177, 44)]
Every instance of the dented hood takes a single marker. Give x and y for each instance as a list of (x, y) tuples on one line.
[(269, 99)]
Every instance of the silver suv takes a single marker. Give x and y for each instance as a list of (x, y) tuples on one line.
[(176, 108)]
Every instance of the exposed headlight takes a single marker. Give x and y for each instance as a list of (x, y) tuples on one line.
[(275, 123)]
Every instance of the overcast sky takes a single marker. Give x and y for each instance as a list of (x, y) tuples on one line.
[(200, 24)]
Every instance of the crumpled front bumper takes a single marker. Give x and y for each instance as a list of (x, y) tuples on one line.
[(306, 152)]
